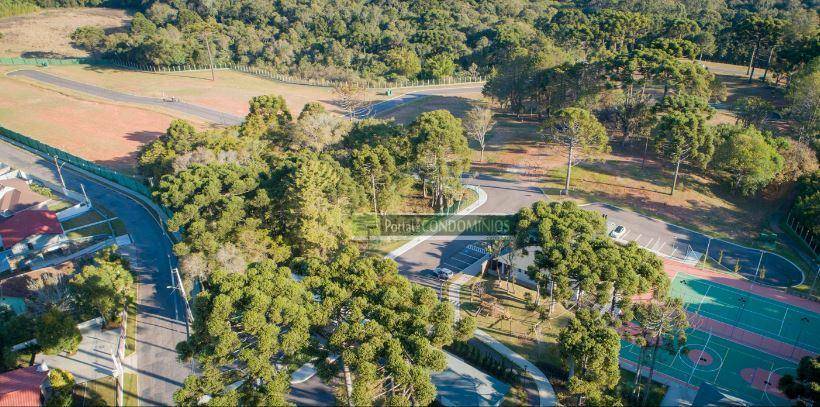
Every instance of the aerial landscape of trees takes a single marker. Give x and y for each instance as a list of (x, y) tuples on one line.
[(264, 209)]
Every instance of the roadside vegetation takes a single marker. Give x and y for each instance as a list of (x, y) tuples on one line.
[(9, 8)]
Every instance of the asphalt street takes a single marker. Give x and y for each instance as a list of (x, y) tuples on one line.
[(204, 113), (160, 313), (688, 246), (504, 196)]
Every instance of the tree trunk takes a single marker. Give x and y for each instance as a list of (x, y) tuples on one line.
[(675, 180), (552, 298), (645, 149), (373, 185), (348, 384), (751, 62), (651, 368), (768, 63), (638, 371), (482, 154), (210, 58), (569, 168)]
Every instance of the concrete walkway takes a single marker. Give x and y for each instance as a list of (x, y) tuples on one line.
[(546, 394)]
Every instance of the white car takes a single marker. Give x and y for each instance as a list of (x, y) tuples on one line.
[(618, 232), (443, 273)]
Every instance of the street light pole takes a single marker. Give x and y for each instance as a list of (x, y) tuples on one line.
[(739, 311), (805, 321), (60, 173)]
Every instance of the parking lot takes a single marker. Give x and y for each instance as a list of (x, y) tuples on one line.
[(688, 246)]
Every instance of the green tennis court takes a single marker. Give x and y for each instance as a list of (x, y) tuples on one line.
[(769, 318), (748, 373)]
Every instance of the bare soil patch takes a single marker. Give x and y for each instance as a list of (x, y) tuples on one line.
[(47, 33), (230, 92), (106, 133)]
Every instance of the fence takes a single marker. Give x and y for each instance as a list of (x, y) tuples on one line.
[(259, 72), (805, 234), (126, 181), (52, 61)]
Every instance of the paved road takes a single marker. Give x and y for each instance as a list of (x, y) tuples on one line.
[(503, 196), (204, 113), (688, 246), (160, 314)]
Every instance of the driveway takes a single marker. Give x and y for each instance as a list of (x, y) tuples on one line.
[(160, 314), (504, 196), (204, 113)]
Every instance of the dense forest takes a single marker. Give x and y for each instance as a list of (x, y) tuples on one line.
[(436, 38)]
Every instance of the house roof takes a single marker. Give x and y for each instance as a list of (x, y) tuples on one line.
[(712, 396), (28, 223), (21, 387), (16, 196), (17, 286)]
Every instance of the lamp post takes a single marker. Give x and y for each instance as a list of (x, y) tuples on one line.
[(805, 321), (743, 302)]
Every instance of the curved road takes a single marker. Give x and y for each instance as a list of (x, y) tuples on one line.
[(160, 313), (204, 113)]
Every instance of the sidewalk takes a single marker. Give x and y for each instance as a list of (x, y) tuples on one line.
[(546, 393)]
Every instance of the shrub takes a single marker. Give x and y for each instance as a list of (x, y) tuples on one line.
[(56, 332), (62, 388)]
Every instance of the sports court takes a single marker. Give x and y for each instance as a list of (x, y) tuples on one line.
[(752, 319), (748, 373), (739, 341)]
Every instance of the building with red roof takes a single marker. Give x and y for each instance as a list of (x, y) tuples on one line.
[(23, 387), (29, 230)]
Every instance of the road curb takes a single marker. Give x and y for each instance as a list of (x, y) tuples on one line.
[(482, 199)]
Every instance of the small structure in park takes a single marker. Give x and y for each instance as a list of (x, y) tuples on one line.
[(489, 306)]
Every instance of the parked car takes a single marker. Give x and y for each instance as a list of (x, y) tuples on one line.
[(443, 273), (618, 232)]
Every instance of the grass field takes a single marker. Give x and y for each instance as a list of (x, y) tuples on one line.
[(130, 390), (10, 8), (102, 391), (46, 34), (517, 332)]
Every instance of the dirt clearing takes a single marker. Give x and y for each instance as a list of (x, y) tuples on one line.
[(46, 34), (105, 133), (230, 92)]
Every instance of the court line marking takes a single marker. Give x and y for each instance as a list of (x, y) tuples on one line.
[(783, 322), (756, 296)]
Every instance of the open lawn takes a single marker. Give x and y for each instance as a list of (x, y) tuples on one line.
[(102, 391), (517, 332), (46, 34), (106, 133), (130, 390), (230, 92), (457, 105)]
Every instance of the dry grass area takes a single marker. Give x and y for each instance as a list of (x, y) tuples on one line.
[(106, 133), (230, 92), (46, 34), (457, 105), (517, 332)]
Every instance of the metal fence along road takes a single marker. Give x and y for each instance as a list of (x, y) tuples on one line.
[(256, 71)]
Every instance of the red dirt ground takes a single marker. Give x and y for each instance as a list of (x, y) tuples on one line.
[(105, 133)]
